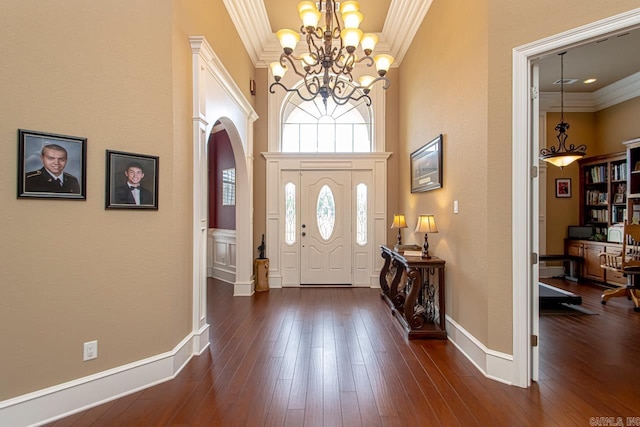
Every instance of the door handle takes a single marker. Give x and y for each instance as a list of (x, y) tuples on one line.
[(304, 234)]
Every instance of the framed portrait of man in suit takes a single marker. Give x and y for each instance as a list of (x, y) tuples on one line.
[(132, 181), (51, 166)]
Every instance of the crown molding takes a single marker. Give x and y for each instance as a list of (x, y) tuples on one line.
[(620, 91), (615, 93), (573, 102), (252, 23), (402, 23)]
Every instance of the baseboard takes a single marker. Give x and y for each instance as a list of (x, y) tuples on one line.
[(53, 403), (224, 275), (243, 289), (493, 364)]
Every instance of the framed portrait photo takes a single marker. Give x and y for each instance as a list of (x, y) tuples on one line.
[(51, 166), (563, 187), (426, 166), (132, 181)]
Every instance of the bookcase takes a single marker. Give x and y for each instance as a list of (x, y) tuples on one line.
[(603, 190), (633, 185)]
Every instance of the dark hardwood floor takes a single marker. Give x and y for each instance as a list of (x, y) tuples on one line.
[(334, 357)]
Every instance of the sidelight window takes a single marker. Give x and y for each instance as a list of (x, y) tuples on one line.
[(361, 214), (290, 213)]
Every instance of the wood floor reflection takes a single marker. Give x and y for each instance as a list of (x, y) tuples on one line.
[(334, 357)]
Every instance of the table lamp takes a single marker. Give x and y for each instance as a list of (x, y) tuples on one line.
[(426, 224), (399, 222)]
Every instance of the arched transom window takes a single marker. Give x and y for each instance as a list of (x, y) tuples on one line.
[(310, 127)]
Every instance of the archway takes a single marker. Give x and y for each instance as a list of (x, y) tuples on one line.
[(216, 97)]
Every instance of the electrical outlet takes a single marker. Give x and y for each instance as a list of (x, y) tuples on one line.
[(90, 350), (455, 207)]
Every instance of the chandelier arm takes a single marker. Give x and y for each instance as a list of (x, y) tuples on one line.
[(343, 100), (311, 39), (271, 90), (386, 81), (365, 58), (290, 59)]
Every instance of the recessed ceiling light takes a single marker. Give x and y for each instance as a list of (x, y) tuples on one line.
[(589, 81)]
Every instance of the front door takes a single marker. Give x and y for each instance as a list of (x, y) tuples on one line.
[(325, 234)]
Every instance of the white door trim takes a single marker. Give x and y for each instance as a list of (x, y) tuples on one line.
[(366, 265), (524, 156)]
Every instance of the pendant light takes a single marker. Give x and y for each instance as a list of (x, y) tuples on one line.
[(562, 155)]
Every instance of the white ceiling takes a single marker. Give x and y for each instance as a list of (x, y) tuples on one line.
[(608, 60), (614, 61)]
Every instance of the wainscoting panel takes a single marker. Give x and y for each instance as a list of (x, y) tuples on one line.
[(221, 254)]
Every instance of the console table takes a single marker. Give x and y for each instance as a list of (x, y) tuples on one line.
[(414, 289)]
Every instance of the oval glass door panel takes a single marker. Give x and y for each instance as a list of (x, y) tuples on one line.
[(326, 212)]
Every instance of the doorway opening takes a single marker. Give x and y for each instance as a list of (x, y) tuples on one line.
[(525, 184)]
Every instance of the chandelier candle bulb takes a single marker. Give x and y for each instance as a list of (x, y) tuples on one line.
[(288, 40), (306, 5), (369, 42), (307, 61), (351, 38), (310, 18), (352, 19), (349, 6), (383, 62), (277, 70)]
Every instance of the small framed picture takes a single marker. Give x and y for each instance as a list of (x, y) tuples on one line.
[(132, 181), (563, 187), (426, 166), (618, 198), (51, 166)]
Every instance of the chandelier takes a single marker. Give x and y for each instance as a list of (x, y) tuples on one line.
[(326, 67), (562, 156)]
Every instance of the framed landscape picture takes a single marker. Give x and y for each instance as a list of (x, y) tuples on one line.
[(426, 166)]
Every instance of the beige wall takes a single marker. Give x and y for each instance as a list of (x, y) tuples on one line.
[(443, 89), (457, 79), (617, 124), (119, 74)]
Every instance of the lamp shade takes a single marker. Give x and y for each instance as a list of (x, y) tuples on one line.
[(562, 160), (399, 222), (426, 224), (277, 70), (383, 62), (306, 5), (352, 19), (349, 6), (351, 38), (310, 17), (288, 39), (369, 41)]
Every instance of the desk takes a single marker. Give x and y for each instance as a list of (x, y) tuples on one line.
[(409, 287), (574, 262)]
